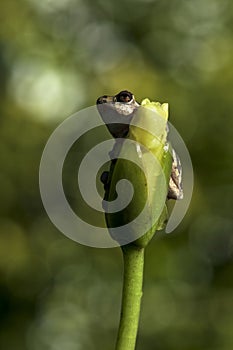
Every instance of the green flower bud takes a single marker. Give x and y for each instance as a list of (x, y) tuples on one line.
[(148, 169)]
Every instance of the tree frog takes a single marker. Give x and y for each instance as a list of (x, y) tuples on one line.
[(124, 105)]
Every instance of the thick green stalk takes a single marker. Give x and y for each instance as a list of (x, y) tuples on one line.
[(131, 297)]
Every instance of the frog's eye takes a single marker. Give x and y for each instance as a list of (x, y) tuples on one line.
[(124, 96)]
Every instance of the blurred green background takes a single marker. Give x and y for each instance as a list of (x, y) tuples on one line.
[(57, 57)]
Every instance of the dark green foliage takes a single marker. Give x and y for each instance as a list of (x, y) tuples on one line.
[(57, 57)]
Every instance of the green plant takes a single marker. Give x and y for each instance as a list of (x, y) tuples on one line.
[(149, 149)]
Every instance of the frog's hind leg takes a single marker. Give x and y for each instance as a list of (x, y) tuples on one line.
[(175, 190)]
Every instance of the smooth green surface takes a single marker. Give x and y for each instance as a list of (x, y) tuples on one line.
[(131, 297), (160, 223)]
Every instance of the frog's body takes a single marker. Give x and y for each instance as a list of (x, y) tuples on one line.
[(124, 105)]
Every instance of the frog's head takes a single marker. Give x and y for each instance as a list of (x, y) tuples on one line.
[(113, 108), (124, 96)]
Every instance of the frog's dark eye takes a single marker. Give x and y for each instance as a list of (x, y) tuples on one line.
[(124, 96)]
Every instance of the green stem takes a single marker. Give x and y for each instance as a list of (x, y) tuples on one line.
[(131, 297)]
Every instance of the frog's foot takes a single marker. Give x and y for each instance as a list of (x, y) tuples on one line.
[(175, 190)]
